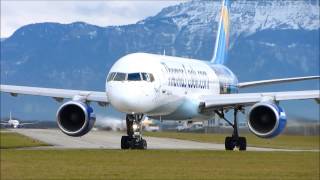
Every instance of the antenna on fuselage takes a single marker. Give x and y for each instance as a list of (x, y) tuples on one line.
[(164, 52)]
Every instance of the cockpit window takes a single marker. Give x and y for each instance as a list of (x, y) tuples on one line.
[(134, 77), (147, 77), (111, 76), (117, 76), (120, 77)]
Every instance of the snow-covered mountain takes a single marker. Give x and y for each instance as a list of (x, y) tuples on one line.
[(269, 39), (247, 17)]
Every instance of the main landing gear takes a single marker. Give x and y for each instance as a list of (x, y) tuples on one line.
[(235, 140), (133, 140)]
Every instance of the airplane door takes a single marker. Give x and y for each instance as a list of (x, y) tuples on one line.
[(185, 80), (161, 83)]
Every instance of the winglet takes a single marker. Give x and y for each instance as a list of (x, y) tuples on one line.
[(222, 39)]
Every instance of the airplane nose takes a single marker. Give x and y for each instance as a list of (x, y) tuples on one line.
[(129, 99)]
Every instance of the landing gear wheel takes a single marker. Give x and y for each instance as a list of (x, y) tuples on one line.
[(125, 142), (229, 144), (235, 140), (242, 143), (142, 144), (134, 139)]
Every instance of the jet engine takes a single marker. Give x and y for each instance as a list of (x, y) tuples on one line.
[(266, 119), (75, 118)]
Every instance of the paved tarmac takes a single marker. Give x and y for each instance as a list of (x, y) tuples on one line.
[(111, 140)]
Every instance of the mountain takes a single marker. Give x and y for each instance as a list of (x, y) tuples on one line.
[(269, 39)]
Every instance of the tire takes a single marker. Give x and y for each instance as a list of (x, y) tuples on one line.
[(242, 143), (142, 144), (124, 142), (228, 143)]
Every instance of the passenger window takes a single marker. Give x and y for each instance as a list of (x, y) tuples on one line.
[(120, 77), (134, 77), (111, 76)]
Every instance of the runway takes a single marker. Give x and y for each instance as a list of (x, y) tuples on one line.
[(111, 140)]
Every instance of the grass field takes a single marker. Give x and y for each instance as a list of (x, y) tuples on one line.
[(15, 140), (282, 141), (157, 164)]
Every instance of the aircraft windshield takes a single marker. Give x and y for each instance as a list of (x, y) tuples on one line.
[(117, 76), (147, 77), (120, 77), (134, 77), (111, 76)]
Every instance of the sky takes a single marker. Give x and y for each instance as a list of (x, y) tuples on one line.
[(17, 13)]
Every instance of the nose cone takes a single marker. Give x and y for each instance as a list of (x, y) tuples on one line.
[(129, 98)]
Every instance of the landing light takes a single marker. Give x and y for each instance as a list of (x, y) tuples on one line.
[(135, 127)]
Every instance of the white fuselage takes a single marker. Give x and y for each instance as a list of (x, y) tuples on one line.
[(169, 88), (14, 123)]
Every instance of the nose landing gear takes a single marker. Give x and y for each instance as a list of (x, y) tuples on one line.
[(134, 139)]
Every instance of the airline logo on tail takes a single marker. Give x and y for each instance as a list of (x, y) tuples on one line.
[(222, 40)]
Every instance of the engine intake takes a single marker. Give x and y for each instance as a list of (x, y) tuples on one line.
[(266, 119), (75, 118)]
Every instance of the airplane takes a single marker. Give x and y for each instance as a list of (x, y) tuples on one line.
[(14, 123), (174, 88)]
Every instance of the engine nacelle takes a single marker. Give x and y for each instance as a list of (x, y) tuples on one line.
[(75, 118), (266, 119)]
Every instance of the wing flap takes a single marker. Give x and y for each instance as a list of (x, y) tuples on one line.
[(58, 94)]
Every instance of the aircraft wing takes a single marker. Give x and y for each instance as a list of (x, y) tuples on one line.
[(57, 94), (4, 123), (27, 123), (275, 81), (247, 99)]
